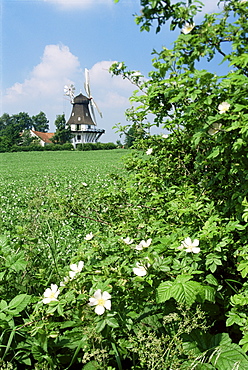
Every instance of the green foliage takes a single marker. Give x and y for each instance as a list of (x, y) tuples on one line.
[(14, 130), (63, 133), (96, 146), (40, 122)]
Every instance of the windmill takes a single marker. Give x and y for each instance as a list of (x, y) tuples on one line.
[(83, 127)]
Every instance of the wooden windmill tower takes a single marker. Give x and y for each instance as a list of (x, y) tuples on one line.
[(83, 127)]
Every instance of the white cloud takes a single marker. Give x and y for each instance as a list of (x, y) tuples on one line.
[(82, 4), (45, 80)]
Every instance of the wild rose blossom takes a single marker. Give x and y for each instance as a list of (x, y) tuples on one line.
[(101, 301), (223, 107), (149, 151), (187, 28), (89, 236), (51, 294), (128, 241), (190, 246), (143, 244), (75, 269), (140, 270), (214, 128)]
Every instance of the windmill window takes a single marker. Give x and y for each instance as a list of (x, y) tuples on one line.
[(79, 118), (86, 114), (72, 114), (88, 126), (78, 127), (78, 137)]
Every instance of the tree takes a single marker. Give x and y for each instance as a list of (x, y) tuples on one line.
[(40, 122), (11, 128), (22, 121), (134, 133), (63, 133)]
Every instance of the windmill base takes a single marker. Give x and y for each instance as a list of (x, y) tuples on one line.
[(87, 136)]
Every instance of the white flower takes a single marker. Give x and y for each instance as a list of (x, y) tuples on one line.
[(214, 128), (223, 107), (191, 246), (101, 301), (128, 240), (139, 270), (143, 244), (51, 294), (84, 184), (165, 136), (149, 151), (62, 283), (89, 236), (76, 268), (187, 28)]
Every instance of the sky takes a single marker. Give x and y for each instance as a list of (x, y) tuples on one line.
[(46, 44)]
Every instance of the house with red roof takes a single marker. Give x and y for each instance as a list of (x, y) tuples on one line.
[(43, 137)]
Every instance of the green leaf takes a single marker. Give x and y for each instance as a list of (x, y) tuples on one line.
[(92, 365), (185, 293), (164, 291), (229, 357), (214, 153), (182, 290), (18, 304), (112, 322), (100, 326)]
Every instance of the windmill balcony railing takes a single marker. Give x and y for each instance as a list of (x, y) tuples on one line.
[(91, 129)]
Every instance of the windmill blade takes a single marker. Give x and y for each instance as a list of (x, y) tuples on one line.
[(66, 90), (92, 110), (69, 91), (87, 83), (95, 105), (87, 90)]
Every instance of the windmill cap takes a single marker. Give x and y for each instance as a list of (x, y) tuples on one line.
[(81, 99)]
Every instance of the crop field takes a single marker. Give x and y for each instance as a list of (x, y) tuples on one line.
[(28, 180)]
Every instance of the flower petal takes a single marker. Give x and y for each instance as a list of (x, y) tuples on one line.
[(47, 293), (98, 294), (139, 271), (93, 301), (106, 295), (196, 250), (107, 305), (80, 265), (195, 243), (73, 267), (46, 300), (187, 241), (72, 274), (99, 310), (54, 288)]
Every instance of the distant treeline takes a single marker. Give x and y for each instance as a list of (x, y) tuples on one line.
[(15, 134)]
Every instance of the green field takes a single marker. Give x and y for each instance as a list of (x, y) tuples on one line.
[(75, 166), (29, 177)]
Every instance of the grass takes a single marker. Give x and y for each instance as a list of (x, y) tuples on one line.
[(33, 181)]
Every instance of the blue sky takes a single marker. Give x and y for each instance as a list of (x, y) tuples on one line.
[(48, 43)]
